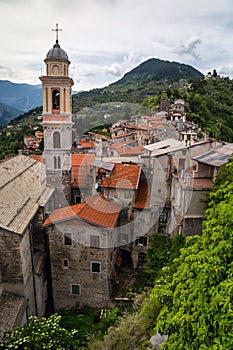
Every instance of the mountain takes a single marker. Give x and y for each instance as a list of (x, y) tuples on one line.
[(7, 113), (21, 97), (147, 79), (156, 70)]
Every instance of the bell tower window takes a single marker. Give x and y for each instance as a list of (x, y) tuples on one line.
[(56, 99), (57, 162), (56, 140)]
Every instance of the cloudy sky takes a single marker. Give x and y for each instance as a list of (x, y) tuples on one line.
[(106, 38)]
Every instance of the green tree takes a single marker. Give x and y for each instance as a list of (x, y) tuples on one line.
[(157, 253), (45, 333), (197, 304)]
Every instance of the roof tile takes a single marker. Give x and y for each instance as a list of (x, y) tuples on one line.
[(123, 176), (96, 210)]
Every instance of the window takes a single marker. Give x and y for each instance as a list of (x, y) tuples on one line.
[(95, 241), (181, 163), (123, 238), (141, 241), (163, 217), (95, 266), (67, 239), (65, 263), (56, 140), (57, 162), (56, 99), (75, 289), (78, 199), (141, 217)]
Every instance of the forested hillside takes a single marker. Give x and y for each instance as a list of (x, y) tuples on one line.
[(210, 104), (149, 78)]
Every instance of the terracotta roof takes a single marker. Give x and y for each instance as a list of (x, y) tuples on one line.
[(100, 211), (123, 176), (81, 166), (38, 158), (117, 144), (143, 195), (82, 159), (63, 214), (86, 144), (96, 210)]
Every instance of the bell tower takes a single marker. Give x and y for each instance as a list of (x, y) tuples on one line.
[(57, 121)]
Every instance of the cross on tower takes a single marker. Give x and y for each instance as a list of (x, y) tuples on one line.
[(57, 30)]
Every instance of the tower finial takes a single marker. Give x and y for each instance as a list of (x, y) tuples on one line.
[(57, 30)]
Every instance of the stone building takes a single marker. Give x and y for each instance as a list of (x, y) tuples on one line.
[(83, 241), (24, 273)]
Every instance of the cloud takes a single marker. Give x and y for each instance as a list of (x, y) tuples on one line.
[(6, 72), (189, 48), (132, 56), (114, 69), (225, 70)]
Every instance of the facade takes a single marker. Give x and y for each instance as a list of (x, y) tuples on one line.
[(83, 240), (23, 244)]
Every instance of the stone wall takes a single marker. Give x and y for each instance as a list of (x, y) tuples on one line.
[(71, 264)]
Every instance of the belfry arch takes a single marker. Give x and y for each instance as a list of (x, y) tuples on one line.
[(56, 99)]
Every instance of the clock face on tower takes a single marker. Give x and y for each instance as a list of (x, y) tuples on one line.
[(56, 69)]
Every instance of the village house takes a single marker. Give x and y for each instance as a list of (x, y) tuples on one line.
[(83, 241), (24, 270)]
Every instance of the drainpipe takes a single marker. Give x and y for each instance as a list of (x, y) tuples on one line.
[(33, 269)]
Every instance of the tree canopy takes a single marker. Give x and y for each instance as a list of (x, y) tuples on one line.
[(197, 305)]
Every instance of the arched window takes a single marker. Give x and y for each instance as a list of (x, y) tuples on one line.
[(55, 162), (56, 99), (56, 140)]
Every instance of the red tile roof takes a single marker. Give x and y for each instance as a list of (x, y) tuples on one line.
[(62, 214), (96, 210), (82, 159), (86, 144), (143, 195), (38, 158), (123, 176), (81, 166)]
